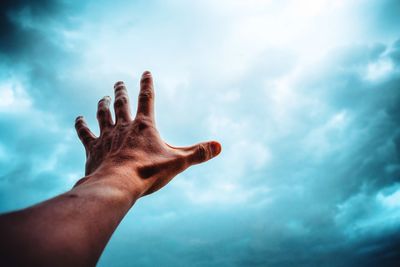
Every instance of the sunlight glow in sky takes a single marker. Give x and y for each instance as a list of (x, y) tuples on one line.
[(303, 95)]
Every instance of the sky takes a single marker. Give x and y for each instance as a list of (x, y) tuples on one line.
[(304, 97)]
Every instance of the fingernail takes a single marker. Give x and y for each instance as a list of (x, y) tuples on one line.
[(105, 100), (215, 148), (146, 73), (79, 118), (118, 83)]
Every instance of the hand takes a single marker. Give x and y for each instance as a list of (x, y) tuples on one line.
[(133, 148)]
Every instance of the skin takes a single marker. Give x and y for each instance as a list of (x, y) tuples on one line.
[(127, 161)]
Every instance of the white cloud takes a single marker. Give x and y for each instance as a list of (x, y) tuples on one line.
[(13, 97), (224, 192), (391, 200), (379, 70)]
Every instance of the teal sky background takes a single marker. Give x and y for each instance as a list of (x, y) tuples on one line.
[(304, 97)]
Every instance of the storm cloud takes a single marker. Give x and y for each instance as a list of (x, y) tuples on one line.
[(304, 98)]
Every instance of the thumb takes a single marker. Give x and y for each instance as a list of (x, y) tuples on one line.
[(202, 152)]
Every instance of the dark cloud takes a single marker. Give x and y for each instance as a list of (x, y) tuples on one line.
[(20, 39), (32, 46)]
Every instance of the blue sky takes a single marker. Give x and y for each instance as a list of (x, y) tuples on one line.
[(303, 95)]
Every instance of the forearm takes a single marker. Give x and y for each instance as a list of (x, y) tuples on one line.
[(71, 229)]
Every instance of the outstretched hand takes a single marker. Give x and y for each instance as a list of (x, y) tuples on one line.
[(128, 160), (133, 148)]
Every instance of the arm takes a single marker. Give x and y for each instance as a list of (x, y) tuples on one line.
[(127, 161)]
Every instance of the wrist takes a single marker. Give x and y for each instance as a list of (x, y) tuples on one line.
[(123, 182)]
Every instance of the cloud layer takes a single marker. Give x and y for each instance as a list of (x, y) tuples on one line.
[(303, 97)]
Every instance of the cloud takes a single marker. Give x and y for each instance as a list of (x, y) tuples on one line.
[(16, 25), (32, 148), (304, 101), (13, 97)]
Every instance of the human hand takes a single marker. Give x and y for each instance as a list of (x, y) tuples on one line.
[(132, 149)]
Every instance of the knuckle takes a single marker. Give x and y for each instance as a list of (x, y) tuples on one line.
[(146, 79), (140, 118), (79, 124), (142, 123), (202, 152), (120, 89), (101, 113), (122, 116), (121, 101), (83, 132), (142, 126), (145, 94), (87, 141)]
